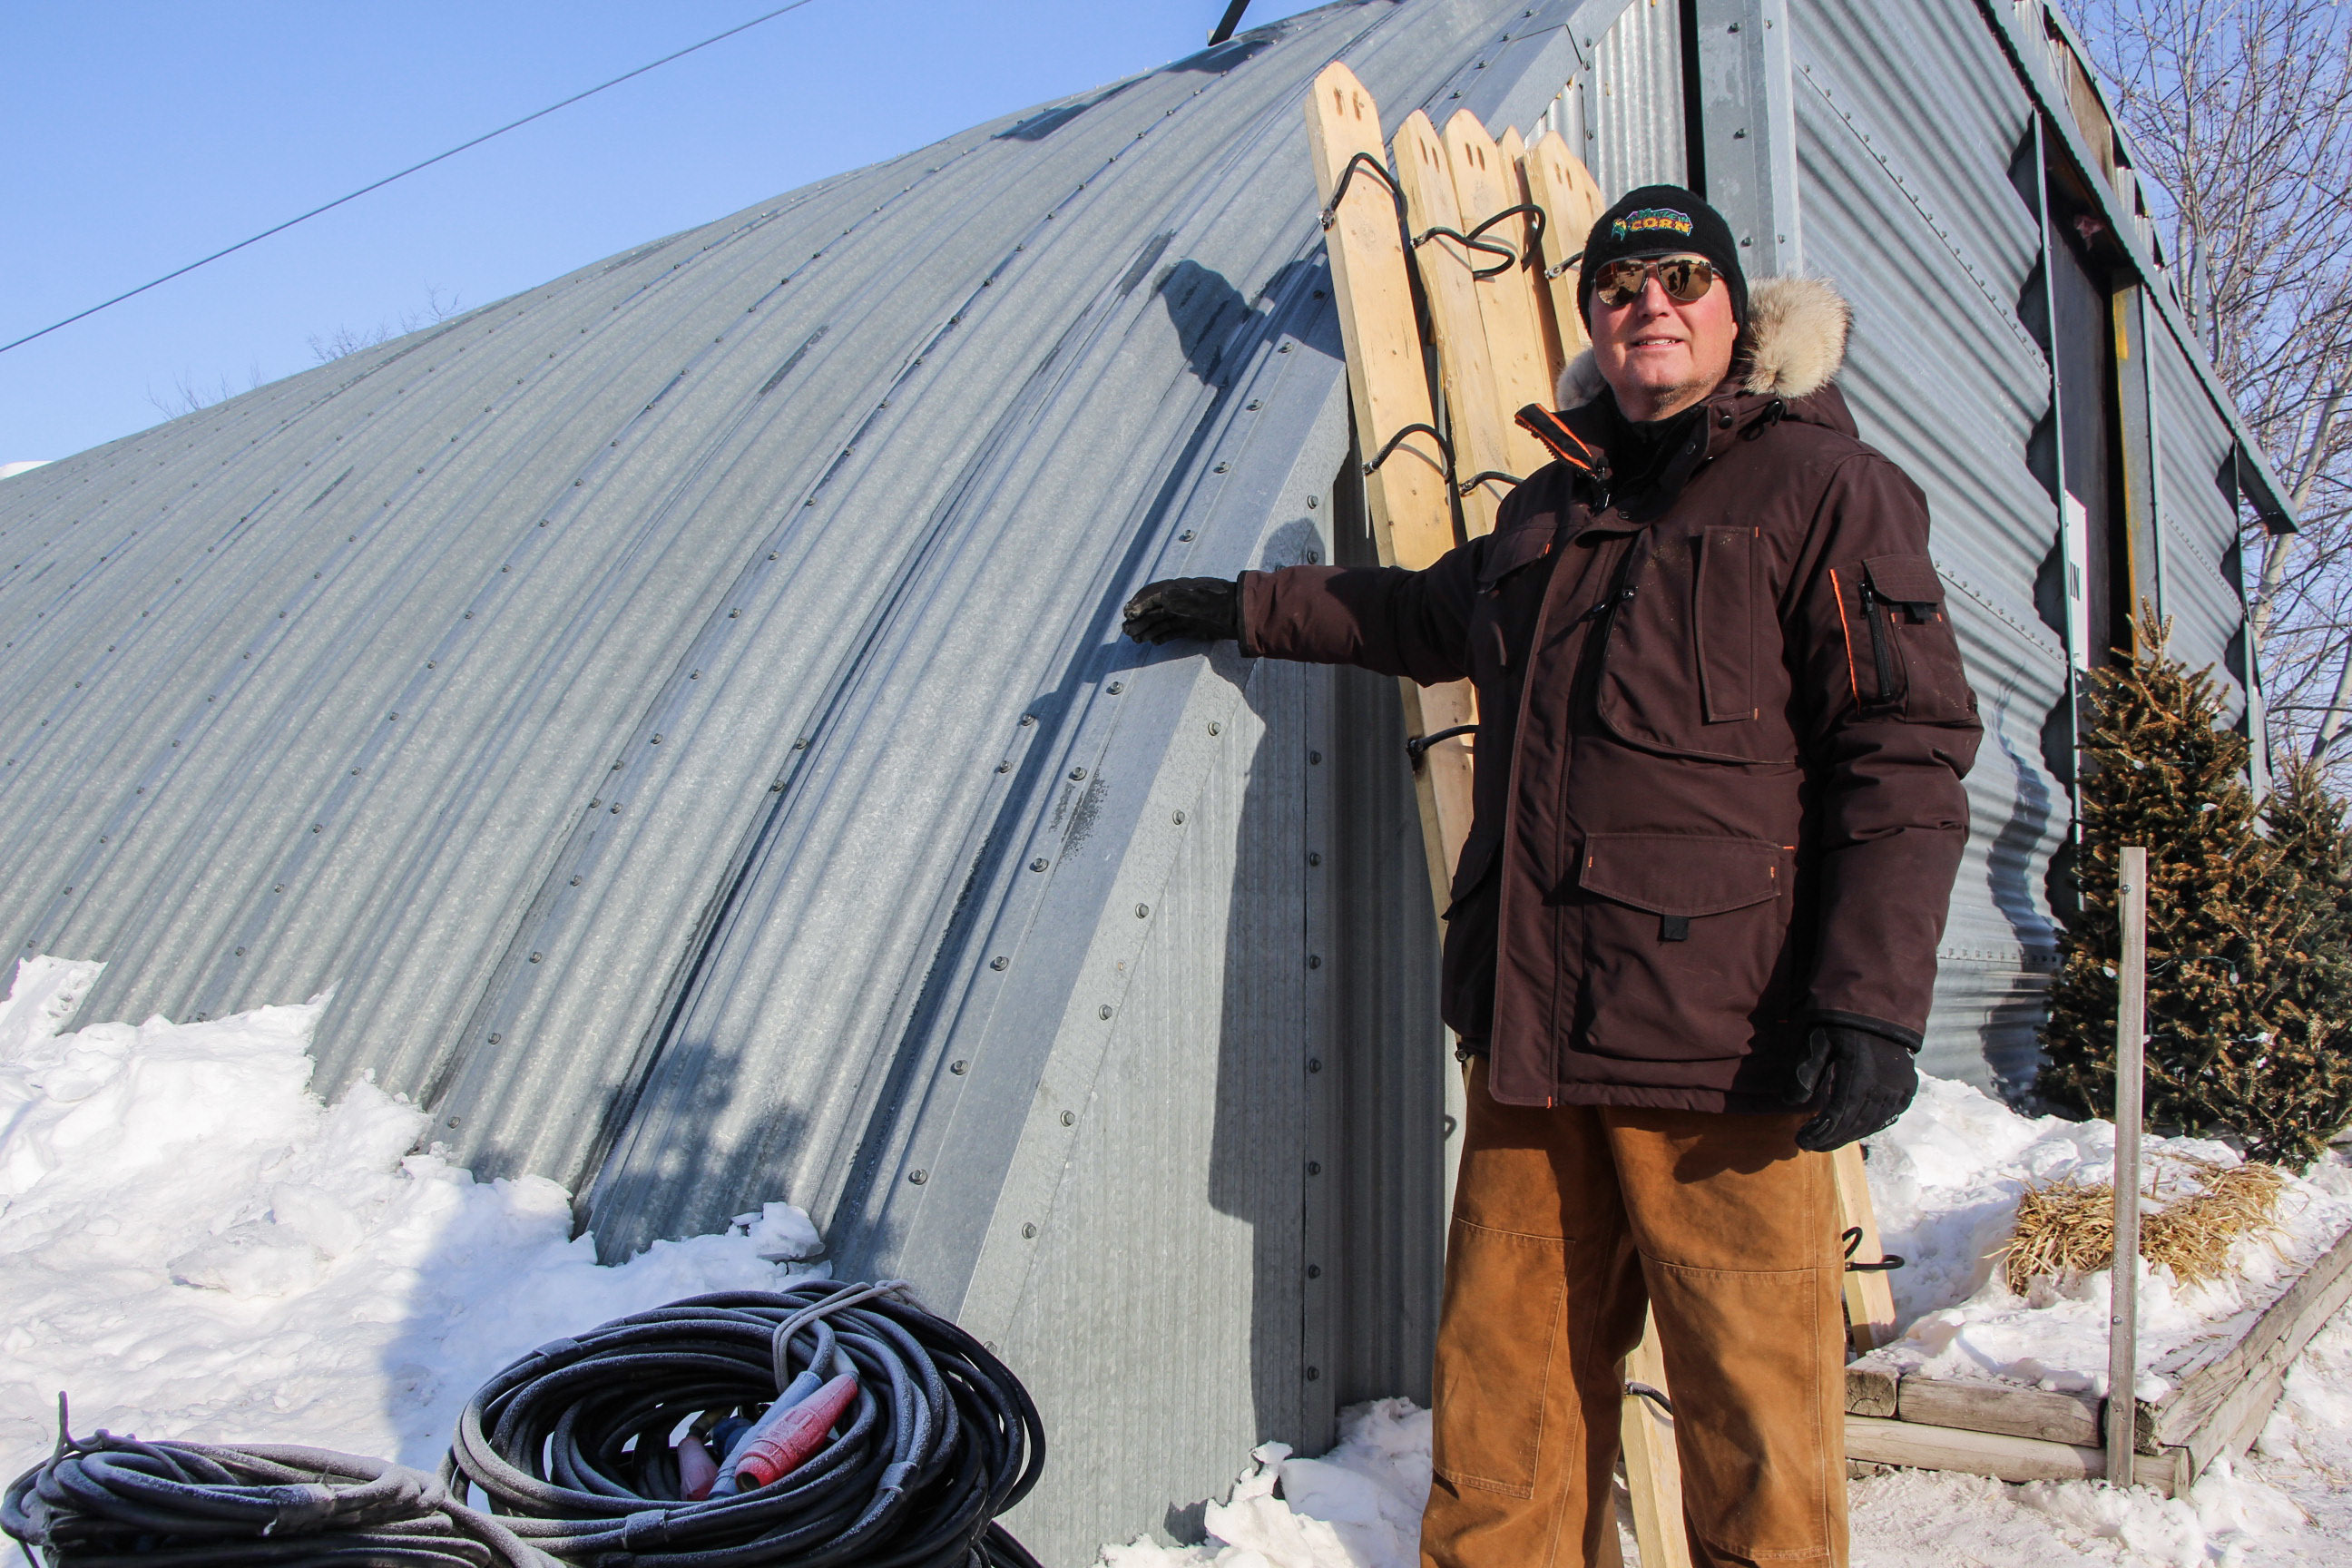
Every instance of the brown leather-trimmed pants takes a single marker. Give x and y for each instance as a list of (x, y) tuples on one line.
[(1566, 1223)]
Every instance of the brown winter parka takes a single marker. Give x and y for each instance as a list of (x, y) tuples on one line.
[(1720, 759)]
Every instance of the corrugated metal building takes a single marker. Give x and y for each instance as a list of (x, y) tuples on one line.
[(678, 710)]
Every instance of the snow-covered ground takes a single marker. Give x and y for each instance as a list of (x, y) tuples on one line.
[(194, 1244), (1944, 1183)]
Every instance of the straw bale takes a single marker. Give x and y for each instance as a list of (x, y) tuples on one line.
[(2195, 1211)]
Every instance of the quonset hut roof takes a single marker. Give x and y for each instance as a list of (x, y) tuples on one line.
[(678, 712)]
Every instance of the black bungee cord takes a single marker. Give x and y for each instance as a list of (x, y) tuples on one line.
[(598, 1452)]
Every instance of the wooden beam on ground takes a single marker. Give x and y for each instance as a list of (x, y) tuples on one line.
[(1883, 1442), (1653, 1475), (1558, 183), (1472, 406), (1869, 1297), (1517, 363), (1388, 383), (1999, 1407), (2260, 1354)]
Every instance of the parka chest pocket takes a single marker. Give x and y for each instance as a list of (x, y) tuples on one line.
[(1507, 593), (1906, 660)]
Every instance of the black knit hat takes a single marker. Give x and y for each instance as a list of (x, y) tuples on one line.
[(1662, 220)]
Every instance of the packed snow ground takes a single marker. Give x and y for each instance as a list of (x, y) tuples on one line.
[(192, 1244)]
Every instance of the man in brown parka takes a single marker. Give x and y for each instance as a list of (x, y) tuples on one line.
[(1723, 724)]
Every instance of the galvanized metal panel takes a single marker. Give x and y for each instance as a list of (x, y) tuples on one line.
[(2203, 592), (1908, 118), (1634, 101), (1178, 1223)]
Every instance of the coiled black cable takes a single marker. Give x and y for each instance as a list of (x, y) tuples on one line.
[(571, 1444), (117, 1502)]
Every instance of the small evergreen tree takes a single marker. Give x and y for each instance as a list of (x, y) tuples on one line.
[(2249, 983)]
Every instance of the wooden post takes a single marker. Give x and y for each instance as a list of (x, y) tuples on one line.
[(1388, 380), (1869, 1295), (1653, 1475), (2131, 1039)]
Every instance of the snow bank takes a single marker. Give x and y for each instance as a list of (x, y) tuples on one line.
[(1945, 1180), (1358, 1506), (192, 1245)]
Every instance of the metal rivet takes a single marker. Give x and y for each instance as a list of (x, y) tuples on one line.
[(1314, 502), (1222, 468), (1178, 820), (1253, 406), (1028, 1233), (1314, 1064), (1076, 773), (1185, 537), (958, 1068), (657, 739), (1069, 1118), (1313, 556), (1103, 1011), (534, 957), (999, 961), (1315, 1272), (1313, 1372), (1143, 912), (494, 1039), (1313, 758), (240, 952), (1117, 687), (1313, 859), (1027, 719), (1214, 728), (919, 1177), (575, 881), (1004, 767), (1314, 1168), (1037, 864)]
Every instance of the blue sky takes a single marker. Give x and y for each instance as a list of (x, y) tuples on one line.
[(144, 133)]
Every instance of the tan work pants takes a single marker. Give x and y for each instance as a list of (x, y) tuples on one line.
[(1567, 1222)]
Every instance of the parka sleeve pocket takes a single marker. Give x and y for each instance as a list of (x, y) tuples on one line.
[(1904, 658)]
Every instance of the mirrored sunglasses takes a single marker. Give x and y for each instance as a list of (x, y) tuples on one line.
[(1685, 280)]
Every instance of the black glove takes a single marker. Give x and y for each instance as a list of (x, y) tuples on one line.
[(1204, 607), (1871, 1079)]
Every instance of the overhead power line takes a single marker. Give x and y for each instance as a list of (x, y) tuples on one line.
[(412, 168)]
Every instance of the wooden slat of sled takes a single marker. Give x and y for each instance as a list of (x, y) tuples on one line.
[(1413, 517), (1558, 183), (1472, 406), (1869, 1295), (1517, 363), (1515, 160), (1653, 1475)]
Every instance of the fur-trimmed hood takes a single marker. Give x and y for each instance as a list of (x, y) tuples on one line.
[(1793, 347)]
